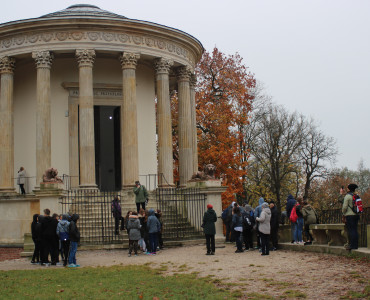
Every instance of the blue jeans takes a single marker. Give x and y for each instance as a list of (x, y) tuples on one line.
[(298, 230), (238, 241), (153, 241), (351, 224), (72, 253), (293, 227)]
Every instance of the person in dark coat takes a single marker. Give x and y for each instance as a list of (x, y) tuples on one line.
[(274, 224), (238, 228), (153, 227), (290, 203), (117, 215), (74, 237), (36, 240), (49, 239), (209, 229)]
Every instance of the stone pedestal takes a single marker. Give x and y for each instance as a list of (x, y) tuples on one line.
[(16, 217), (49, 194), (213, 191)]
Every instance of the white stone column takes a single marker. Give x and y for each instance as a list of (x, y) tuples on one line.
[(165, 155), (86, 60), (193, 81), (7, 65), (43, 61), (129, 136), (184, 124)]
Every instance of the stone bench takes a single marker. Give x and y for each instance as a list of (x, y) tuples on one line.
[(329, 234)]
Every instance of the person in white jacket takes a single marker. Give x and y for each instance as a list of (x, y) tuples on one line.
[(264, 228)]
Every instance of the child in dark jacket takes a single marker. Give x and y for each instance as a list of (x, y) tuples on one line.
[(133, 228), (36, 240), (74, 236)]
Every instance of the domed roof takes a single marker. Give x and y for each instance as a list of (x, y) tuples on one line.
[(83, 10)]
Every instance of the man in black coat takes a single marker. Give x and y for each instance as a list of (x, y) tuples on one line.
[(49, 238), (274, 224)]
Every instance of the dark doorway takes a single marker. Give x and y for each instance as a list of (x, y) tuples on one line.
[(107, 121)]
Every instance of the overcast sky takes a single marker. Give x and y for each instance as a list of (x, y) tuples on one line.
[(313, 56)]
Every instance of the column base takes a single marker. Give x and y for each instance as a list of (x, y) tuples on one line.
[(8, 192), (88, 187)]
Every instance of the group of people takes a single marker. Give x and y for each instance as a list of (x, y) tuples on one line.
[(54, 235), (242, 221), (301, 216), (144, 227)]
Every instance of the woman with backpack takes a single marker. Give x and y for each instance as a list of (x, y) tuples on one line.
[(63, 234), (299, 228)]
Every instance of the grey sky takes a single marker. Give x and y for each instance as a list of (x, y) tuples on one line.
[(313, 56)]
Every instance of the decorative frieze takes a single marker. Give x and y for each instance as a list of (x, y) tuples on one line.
[(85, 57), (43, 59), (162, 65), (129, 60), (93, 36), (7, 64)]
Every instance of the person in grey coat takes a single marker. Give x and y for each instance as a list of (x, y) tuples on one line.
[(134, 235), (153, 227), (209, 229), (264, 227)]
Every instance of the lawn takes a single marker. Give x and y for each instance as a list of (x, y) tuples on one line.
[(118, 282)]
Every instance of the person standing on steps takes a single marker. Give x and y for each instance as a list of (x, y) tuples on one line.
[(21, 180), (141, 195), (117, 215), (209, 229)]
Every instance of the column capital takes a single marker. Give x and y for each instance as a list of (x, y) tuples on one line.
[(193, 80), (183, 73), (85, 57), (129, 60), (7, 64), (162, 65), (43, 59)]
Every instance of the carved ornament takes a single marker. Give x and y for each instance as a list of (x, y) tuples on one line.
[(162, 65), (183, 73), (85, 57), (43, 59), (118, 38), (129, 60), (7, 64)]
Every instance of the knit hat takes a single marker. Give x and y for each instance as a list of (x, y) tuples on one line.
[(209, 206)]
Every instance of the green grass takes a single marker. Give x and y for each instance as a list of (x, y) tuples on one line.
[(130, 282), (358, 295)]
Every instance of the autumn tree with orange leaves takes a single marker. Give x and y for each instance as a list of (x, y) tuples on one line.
[(223, 102)]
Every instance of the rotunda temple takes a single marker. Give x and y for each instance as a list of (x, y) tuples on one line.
[(87, 91)]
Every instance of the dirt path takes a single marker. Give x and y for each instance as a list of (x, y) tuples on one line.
[(318, 276)]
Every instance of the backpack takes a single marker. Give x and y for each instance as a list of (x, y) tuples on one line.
[(293, 215), (248, 221), (64, 236), (224, 214), (357, 204)]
